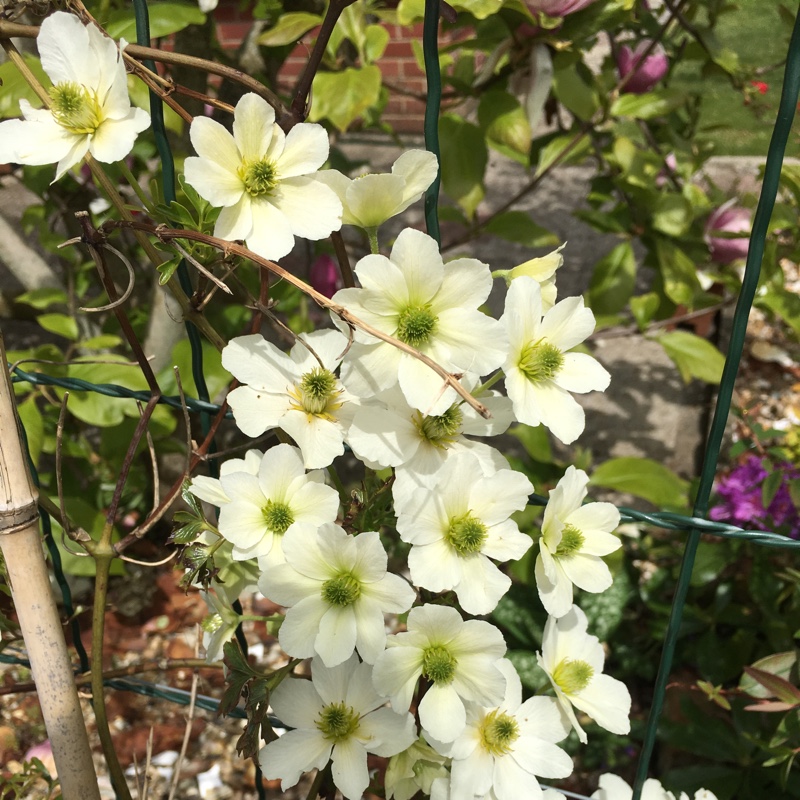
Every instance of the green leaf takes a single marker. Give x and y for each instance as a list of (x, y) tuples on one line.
[(102, 342), (613, 280), (463, 161), (535, 441), (165, 18), (59, 324), (15, 87), (672, 214), (573, 86), (342, 97), (770, 487), (565, 146), (289, 28), (43, 298), (375, 41), (694, 356), (166, 269), (648, 105), (517, 226), (527, 667), (678, 271), (777, 686), (605, 610), (643, 307), (31, 419), (711, 559), (780, 664), (505, 124), (643, 478)]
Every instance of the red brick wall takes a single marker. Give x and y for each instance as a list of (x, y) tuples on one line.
[(403, 78)]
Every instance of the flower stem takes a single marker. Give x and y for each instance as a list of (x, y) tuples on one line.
[(372, 233), (146, 202), (337, 482), (489, 383)]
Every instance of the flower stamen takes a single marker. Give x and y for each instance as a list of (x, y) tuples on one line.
[(572, 676), (438, 664), (571, 541), (416, 325), (278, 517), (342, 591), (259, 177), (75, 107), (540, 361), (466, 535), (498, 733), (337, 722)]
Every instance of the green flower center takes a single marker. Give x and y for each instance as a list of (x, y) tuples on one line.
[(571, 541), (212, 623), (259, 177), (572, 676), (540, 361), (316, 390), (337, 722), (466, 535), (442, 430), (498, 732), (277, 517), (75, 107), (438, 664), (343, 590), (415, 325)]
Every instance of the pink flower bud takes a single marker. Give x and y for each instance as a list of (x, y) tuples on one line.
[(646, 73), (728, 218), (558, 8), (324, 276)]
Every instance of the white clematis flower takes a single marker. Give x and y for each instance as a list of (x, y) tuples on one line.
[(573, 660), (414, 770), (257, 509), (504, 748), (220, 625), (369, 200), (264, 180), (456, 526), (612, 787), (90, 110), (458, 658), (337, 589), (540, 372), (336, 716), (574, 537), (297, 392), (428, 305), (390, 433)]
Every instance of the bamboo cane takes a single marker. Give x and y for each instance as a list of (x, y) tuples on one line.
[(21, 546)]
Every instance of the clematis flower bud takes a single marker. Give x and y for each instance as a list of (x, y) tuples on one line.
[(647, 72), (558, 8), (324, 276), (728, 218)]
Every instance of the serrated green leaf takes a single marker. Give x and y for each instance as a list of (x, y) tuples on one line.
[(694, 356), (60, 324), (643, 478), (289, 28), (165, 18)]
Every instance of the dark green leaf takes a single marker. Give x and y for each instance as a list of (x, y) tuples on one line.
[(770, 487), (517, 226), (613, 280), (643, 478)]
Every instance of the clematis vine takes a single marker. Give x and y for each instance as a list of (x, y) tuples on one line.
[(90, 110)]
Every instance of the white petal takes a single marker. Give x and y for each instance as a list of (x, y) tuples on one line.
[(607, 701), (478, 679), (423, 388), (280, 467), (482, 585), (382, 436), (64, 50), (336, 640), (567, 323), (293, 754), (472, 776), (272, 235), (319, 439), (560, 412), (372, 199), (350, 768), (587, 572), (417, 255), (256, 411), (253, 124), (214, 143), (361, 694), (434, 567), (476, 343), (255, 361), (395, 675), (511, 781), (313, 210), (209, 490), (220, 187), (556, 595), (371, 631), (298, 633), (333, 683), (391, 733), (306, 150), (441, 713), (505, 542), (581, 373), (114, 138), (419, 169), (235, 222), (296, 703)]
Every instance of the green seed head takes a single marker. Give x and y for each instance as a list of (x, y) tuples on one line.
[(572, 676), (438, 664), (540, 361), (498, 732), (278, 517), (343, 590), (337, 722), (466, 535), (317, 389), (571, 541), (415, 325), (444, 429), (75, 108), (259, 177)]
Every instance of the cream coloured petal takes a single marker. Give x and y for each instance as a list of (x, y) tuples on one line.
[(284, 585), (607, 701), (417, 256), (595, 517), (213, 142), (496, 497), (511, 781), (333, 683), (334, 179), (589, 573), (441, 713), (349, 770), (336, 639), (466, 284), (253, 124), (114, 139), (281, 466), (64, 50), (112, 79), (372, 199), (313, 209), (567, 496), (360, 694), (272, 235), (382, 436), (523, 312), (476, 342), (540, 719), (390, 733), (296, 703), (419, 169), (371, 633), (235, 222), (305, 150), (560, 412), (524, 398), (293, 754), (220, 187), (300, 628), (383, 277), (209, 490), (505, 542), (581, 373), (472, 776), (423, 388), (319, 439), (567, 323), (35, 142), (481, 585), (368, 371), (555, 594), (75, 155), (478, 679), (315, 503), (396, 672), (260, 364), (254, 411), (434, 566), (541, 756)]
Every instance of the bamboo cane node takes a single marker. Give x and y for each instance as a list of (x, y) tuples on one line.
[(15, 519)]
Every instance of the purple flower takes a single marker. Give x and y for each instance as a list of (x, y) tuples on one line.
[(558, 8), (741, 495), (324, 276), (728, 218), (647, 72)]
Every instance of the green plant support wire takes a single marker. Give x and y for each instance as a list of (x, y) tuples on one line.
[(433, 77), (755, 254)]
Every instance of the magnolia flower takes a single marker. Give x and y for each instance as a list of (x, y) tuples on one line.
[(336, 716), (503, 748), (414, 770), (612, 787), (90, 110), (456, 526), (574, 537), (337, 590), (256, 509), (458, 658), (298, 393), (728, 218), (542, 270), (647, 72), (389, 433), (540, 372), (264, 180), (429, 305), (369, 200), (573, 660), (557, 8)]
